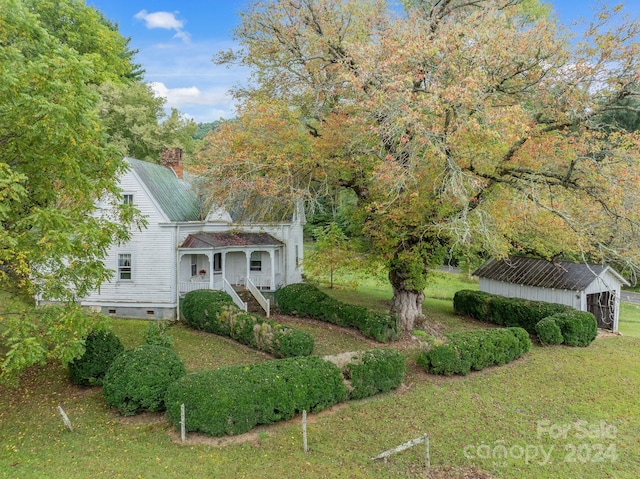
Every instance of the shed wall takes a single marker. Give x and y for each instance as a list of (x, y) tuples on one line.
[(559, 296)]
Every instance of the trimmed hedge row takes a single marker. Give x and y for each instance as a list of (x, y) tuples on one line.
[(137, 380), (577, 328), (101, 348), (475, 350), (215, 312), (233, 400), (303, 299), (568, 326), (367, 373), (505, 311)]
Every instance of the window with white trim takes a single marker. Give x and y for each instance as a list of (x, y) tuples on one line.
[(217, 262), (255, 262), (124, 267), (127, 199)]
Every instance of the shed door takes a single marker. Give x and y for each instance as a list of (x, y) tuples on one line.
[(601, 305)]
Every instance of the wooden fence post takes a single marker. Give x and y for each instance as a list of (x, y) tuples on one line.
[(182, 424), (65, 418), (427, 456), (304, 431)]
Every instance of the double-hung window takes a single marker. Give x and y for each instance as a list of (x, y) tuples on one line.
[(124, 267), (255, 262)]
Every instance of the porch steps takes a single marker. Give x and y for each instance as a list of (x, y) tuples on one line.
[(252, 303)]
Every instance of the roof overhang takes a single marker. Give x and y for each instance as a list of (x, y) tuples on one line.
[(229, 239)]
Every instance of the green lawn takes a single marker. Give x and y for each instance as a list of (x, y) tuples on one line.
[(629, 323), (521, 408)]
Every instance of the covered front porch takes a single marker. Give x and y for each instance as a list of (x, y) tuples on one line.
[(209, 260)]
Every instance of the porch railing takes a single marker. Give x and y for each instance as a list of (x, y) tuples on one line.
[(261, 281), (264, 302), (186, 286), (227, 288)]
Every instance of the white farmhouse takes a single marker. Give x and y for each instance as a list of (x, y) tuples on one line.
[(586, 287), (183, 248)]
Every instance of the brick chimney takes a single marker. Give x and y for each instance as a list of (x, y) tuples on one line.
[(172, 158)]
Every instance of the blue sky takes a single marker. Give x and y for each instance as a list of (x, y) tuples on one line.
[(176, 40)]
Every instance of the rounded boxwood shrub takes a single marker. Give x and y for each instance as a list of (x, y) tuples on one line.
[(579, 328), (444, 359), (234, 399), (101, 348), (548, 331), (374, 371), (200, 306), (137, 380)]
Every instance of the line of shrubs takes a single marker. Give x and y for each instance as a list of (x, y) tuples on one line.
[(303, 299), (234, 399), (134, 380), (215, 312), (568, 326), (573, 328), (475, 350)]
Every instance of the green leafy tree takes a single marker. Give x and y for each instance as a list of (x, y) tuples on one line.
[(204, 128), (136, 124), (90, 34), (54, 168), (456, 124), (177, 131), (333, 255)]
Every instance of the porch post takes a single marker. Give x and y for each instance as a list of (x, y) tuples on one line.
[(272, 257), (223, 259), (211, 269), (248, 256)]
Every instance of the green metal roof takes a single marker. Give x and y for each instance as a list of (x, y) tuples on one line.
[(175, 196)]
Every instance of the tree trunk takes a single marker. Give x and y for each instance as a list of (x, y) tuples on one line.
[(406, 303)]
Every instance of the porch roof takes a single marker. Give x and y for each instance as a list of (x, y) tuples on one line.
[(229, 238)]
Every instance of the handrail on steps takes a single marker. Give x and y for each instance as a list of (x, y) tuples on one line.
[(236, 299), (264, 302)]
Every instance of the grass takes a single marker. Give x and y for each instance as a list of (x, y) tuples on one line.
[(629, 323), (510, 406)]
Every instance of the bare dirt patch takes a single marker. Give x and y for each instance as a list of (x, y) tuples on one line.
[(605, 333)]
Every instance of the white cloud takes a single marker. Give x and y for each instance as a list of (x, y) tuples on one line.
[(203, 105), (165, 20), (177, 97), (186, 77)]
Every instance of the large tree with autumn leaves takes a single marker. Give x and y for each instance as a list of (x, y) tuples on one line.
[(455, 122)]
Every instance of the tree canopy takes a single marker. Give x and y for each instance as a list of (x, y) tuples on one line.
[(456, 123), (55, 165), (135, 121)]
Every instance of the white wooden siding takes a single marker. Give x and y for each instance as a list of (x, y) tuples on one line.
[(153, 257), (559, 296), (290, 234)]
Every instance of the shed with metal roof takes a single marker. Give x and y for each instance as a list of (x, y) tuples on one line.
[(587, 287)]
